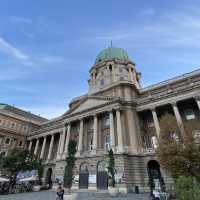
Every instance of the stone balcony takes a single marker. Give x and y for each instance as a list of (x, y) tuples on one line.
[(149, 151)]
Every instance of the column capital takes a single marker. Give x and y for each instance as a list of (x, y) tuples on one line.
[(81, 119), (197, 97), (94, 115), (152, 108), (174, 103), (118, 109)]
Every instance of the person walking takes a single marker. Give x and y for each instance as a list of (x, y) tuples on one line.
[(60, 192)]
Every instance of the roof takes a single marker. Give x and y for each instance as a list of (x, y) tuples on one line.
[(110, 53), (21, 112), (172, 80)]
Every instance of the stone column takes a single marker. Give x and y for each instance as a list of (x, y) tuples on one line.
[(156, 122), (80, 138), (43, 147), (178, 118), (95, 133), (67, 138), (30, 145), (63, 140), (50, 148), (112, 131), (119, 132), (197, 99), (36, 146), (59, 145), (133, 130)]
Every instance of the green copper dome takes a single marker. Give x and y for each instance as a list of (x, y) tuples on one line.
[(110, 53)]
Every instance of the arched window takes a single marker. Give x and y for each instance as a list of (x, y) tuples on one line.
[(84, 168), (102, 166), (110, 68)]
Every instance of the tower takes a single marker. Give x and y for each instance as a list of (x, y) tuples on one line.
[(112, 73)]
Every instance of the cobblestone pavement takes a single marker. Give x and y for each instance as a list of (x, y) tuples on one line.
[(50, 195)]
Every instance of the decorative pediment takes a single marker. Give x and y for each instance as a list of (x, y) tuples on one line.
[(91, 102)]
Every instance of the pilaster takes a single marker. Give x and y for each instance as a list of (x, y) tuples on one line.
[(120, 147)]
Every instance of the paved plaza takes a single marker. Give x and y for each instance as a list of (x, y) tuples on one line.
[(50, 195)]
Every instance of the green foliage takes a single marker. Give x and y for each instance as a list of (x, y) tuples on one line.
[(70, 162), (178, 154), (40, 167), (187, 188), (20, 160), (111, 167)]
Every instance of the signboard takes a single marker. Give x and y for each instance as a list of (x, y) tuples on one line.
[(92, 178)]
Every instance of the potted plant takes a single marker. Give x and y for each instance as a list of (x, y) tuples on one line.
[(113, 190), (68, 176)]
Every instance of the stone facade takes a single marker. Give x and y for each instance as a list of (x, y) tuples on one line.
[(117, 113), (15, 126)]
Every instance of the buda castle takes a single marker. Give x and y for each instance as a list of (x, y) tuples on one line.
[(116, 113)]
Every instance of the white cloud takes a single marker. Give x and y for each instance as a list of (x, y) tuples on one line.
[(13, 51), (171, 29), (16, 19), (33, 60)]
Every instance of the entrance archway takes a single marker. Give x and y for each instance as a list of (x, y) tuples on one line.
[(155, 177), (49, 177), (102, 176), (83, 176)]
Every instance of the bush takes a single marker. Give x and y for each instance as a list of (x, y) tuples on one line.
[(111, 168), (70, 162), (187, 188)]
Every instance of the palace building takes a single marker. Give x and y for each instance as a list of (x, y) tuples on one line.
[(116, 113)]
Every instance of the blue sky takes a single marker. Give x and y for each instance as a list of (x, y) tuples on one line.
[(47, 47)]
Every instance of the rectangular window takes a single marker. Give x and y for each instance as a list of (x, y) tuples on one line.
[(107, 143), (154, 142), (102, 82), (106, 121), (189, 114), (7, 141)]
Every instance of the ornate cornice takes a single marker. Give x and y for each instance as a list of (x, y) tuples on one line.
[(171, 81)]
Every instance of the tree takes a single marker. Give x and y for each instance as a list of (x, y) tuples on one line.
[(70, 162), (187, 188), (40, 167), (111, 167), (19, 160), (177, 153)]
